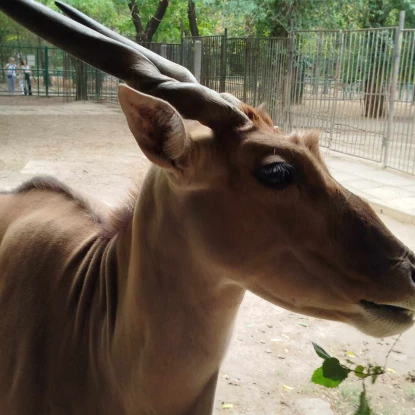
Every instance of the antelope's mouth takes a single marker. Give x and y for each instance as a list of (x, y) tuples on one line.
[(389, 312)]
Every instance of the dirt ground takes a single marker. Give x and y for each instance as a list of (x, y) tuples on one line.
[(271, 359)]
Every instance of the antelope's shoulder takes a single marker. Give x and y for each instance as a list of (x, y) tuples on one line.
[(44, 192)]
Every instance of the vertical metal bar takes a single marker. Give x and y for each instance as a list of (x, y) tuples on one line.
[(289, 76), (222, 84), (37, 70), (245, 43), (403, 147), (197, 60), (377, 106), (337, 81), (257, 58), (47, 71), (182, 49), (316, 80), (395, 70), (383, 78)]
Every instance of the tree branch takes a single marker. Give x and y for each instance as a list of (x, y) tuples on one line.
[(135, 15), (154, 22), (191, 13)]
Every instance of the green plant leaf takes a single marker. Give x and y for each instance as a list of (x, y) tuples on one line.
[(332, 369), (359, 371), (364, 408), (377, 370), (319, 379), (321, 352)]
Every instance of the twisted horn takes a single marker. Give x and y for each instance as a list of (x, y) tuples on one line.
[(166, 67), (129, 64)]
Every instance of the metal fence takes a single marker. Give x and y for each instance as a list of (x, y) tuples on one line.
[(56, 73), (355, 86), (170, 51)]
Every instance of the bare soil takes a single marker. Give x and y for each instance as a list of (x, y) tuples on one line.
[(271, 359)]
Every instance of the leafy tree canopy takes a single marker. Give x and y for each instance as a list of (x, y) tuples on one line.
[(241, 17)]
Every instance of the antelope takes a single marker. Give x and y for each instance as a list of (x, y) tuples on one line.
[(130, 311)]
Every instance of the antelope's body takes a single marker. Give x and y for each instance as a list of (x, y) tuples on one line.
[(55, 299), (130, 311), (80, 315)]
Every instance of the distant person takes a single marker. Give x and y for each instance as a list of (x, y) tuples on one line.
[(11, 75), (25, 82)]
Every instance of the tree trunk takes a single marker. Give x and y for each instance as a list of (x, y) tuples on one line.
[(146, 35), (42, 61), (155, 21), (297, 81), (81, 79), (135, 16), (191, 13), (374, 101)]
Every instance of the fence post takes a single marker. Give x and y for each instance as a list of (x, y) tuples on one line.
[(182, 49), (163, 51), (98, 84), (38, 71), (393, 88), (255, 70), (47, 70), (222, 84), (197, 60), (291, 48), (3, 73), (336, 82), (246, 43)]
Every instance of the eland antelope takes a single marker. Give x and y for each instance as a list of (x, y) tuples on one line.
[(131, 312)]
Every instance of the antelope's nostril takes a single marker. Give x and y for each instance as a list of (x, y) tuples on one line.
[(413, 274)]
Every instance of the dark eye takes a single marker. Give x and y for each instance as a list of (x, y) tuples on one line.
[(276, 175)]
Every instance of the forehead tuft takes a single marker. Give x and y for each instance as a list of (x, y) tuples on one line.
[(258, 116), (310, 139)]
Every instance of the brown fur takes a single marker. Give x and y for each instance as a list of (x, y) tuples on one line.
[(51, 184), (118, 219), (258, 116), (121, 216), (133, 314)]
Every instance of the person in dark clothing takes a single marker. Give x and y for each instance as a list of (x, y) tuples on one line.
[(25, 80)]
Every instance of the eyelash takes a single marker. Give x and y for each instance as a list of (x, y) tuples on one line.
[(277, 175)]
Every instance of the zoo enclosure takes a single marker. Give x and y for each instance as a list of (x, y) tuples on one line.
[(355, 86), (55, 73)]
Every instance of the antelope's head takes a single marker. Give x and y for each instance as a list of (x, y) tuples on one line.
[(262, 206)]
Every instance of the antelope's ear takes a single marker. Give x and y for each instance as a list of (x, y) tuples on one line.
[(157, 127)]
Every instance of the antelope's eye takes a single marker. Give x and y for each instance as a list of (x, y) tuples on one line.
[(277, 175)]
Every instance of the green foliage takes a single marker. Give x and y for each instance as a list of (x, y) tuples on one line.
[(364, 408), (332, 369), (377, 370), (321, 352), (319, 378), (332, 373), (241, 17)]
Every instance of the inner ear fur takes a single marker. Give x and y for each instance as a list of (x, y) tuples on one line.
[(157, 127)]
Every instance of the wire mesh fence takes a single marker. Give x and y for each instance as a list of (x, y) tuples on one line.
[(53, 72), (402, 144), (255, 72), (356, 86), (211, 60), (170, 51)]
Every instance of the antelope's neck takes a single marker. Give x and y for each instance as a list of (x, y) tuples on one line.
[(175, 316)]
